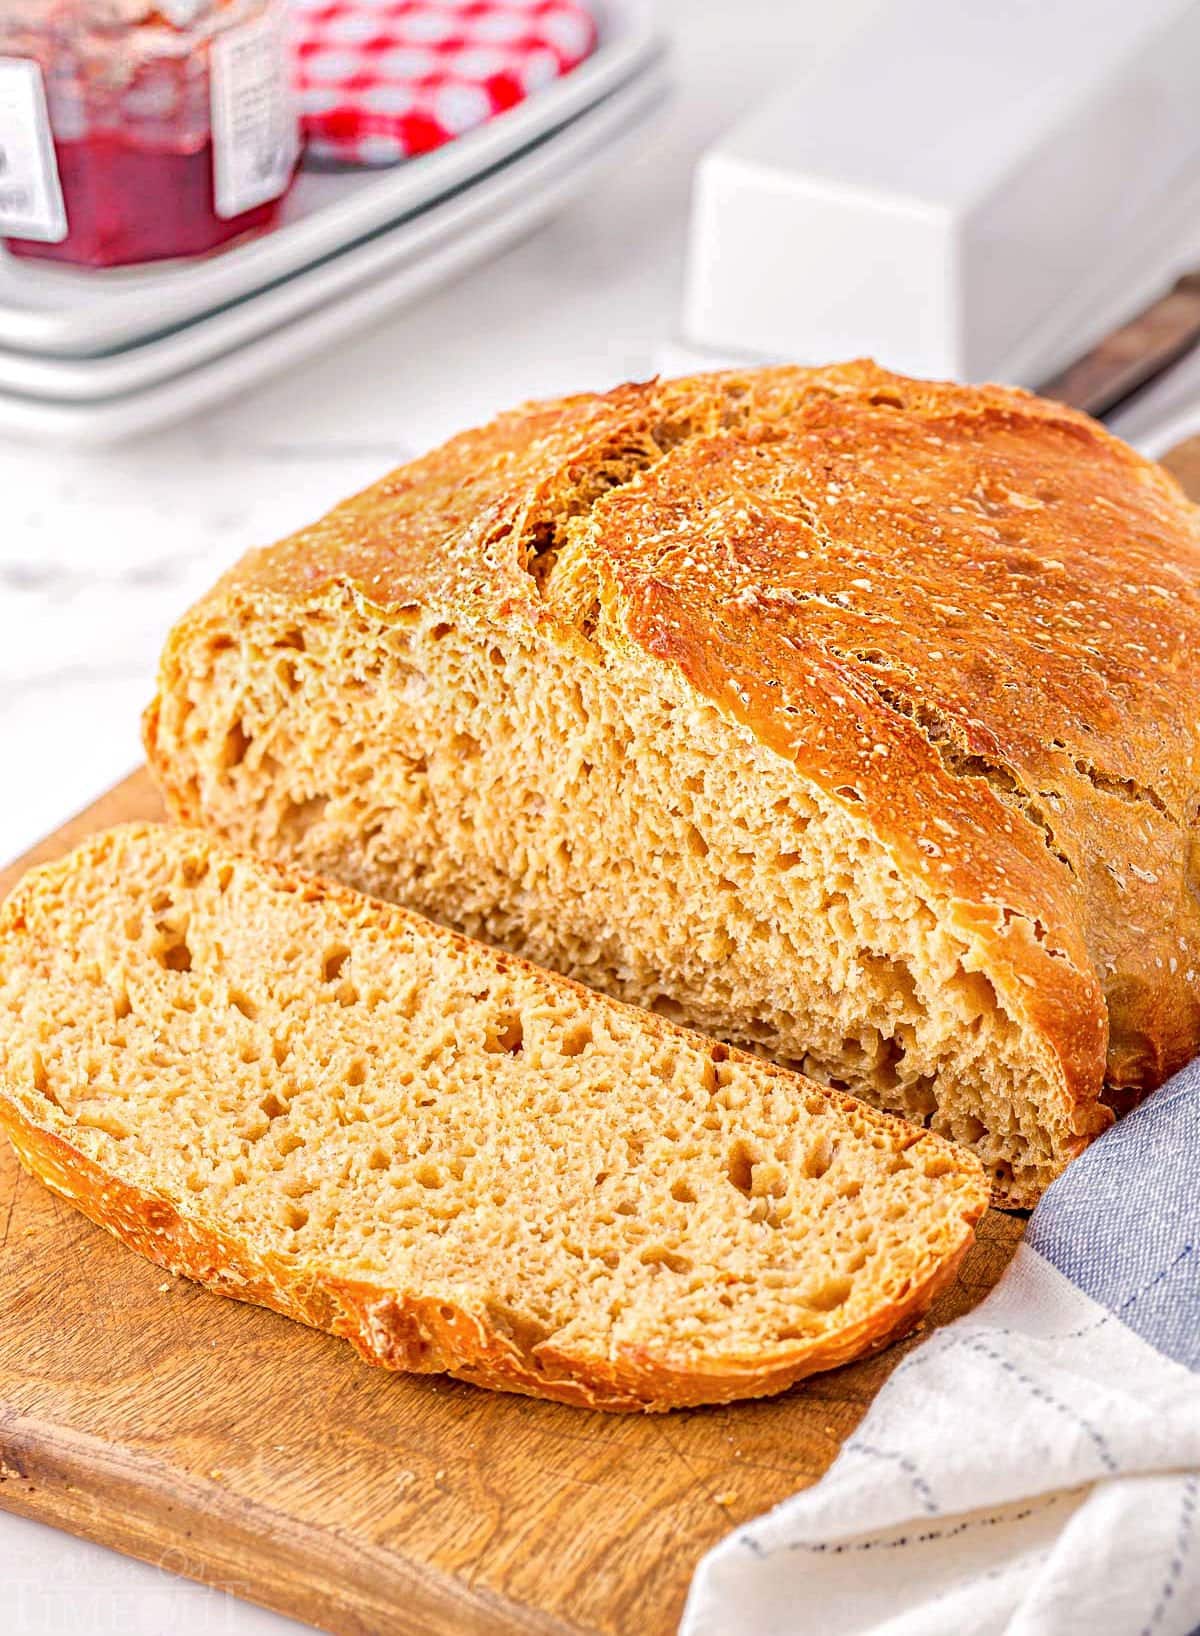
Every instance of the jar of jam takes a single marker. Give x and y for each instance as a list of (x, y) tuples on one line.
[(133, 130)]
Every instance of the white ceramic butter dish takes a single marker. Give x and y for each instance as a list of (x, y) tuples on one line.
[(962, 188)]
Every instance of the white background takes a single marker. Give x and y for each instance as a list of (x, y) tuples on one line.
[(99, 552)]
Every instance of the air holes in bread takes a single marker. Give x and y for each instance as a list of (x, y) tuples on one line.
[(938, 1164), (919, 1099), (506, 1033), (575, 1039), (298, 817), (819, 1157), (233, 751), (739, 1165), (658, 1255), (174, 953), (696, 844)]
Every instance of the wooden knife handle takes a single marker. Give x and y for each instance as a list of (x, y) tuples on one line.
[(1134, 354)]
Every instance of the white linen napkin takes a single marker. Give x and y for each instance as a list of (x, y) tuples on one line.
[(1034, 1468)]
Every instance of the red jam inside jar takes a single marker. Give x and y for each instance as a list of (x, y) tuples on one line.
[(132, 102)]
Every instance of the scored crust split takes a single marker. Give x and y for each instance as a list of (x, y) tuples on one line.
[(847, 717)]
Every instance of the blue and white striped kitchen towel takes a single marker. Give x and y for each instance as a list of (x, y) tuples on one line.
[(1034, 1468)]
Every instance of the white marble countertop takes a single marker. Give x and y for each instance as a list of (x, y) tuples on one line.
[(101, 550)]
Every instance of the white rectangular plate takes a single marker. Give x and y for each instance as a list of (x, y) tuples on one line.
[(134, 369), (371, 281), (72, 312)]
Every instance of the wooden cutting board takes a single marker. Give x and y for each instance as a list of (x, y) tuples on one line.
[(227, 1444)]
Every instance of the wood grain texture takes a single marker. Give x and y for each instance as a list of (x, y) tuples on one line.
[(227, 1444)]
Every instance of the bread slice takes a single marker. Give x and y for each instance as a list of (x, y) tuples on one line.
[(308, 1099), (848, 717)]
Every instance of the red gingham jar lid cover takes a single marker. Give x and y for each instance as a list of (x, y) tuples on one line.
[(382, 80)]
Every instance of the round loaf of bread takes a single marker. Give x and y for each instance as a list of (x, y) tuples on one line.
[(848, 717)]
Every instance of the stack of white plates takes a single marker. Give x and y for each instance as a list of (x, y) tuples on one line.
[(91, 357)]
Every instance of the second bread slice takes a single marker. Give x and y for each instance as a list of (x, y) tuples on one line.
[(308, 1099)]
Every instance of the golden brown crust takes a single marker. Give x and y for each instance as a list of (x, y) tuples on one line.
[(422, 1335), (971, 613)]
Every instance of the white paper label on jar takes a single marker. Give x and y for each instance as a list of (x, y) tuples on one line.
[(31, 201), (255, 127)]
